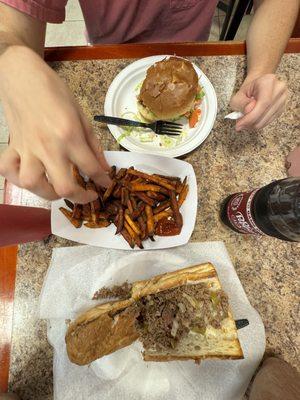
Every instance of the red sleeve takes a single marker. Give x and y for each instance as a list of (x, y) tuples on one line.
[(45, 10)]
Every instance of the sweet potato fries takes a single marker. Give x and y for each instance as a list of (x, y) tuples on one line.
[(138, 204)]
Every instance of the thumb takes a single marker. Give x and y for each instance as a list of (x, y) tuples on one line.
[(250, 106), (241, 102)]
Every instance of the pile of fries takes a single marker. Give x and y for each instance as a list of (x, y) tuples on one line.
[(138, 204)]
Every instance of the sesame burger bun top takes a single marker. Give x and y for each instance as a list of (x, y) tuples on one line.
[(169, 89)]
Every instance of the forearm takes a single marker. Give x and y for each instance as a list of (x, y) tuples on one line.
[(18, 29), (21, 39), (268, 34)]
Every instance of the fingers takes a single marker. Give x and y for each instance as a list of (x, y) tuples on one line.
[(293, 162), (240, 100), (249, 120), (95, 145), (9, 165), (90, 160), (32, 177), (86, 161), (275, 111), (61, 177), (93, 141), (250, 106), (65, 186), (263, 113), (27, 173), (270, 96)]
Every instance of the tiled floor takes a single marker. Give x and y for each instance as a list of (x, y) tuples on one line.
[(71, 33), (3, 145), (217, 26)]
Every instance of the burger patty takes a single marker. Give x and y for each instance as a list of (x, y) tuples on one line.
[(167, 317)]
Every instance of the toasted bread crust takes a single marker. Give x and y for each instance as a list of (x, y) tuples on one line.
[(173, 279), (101, 331), (96, 312), (169, 357)]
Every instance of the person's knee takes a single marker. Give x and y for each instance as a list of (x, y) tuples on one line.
[(276, 380)]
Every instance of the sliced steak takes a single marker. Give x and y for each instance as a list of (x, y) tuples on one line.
[(121, 292), (167, 317), (164, 318)]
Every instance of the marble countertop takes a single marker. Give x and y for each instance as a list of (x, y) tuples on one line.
[(225, 163)]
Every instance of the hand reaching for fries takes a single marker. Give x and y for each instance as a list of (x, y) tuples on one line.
[(48, 131), (138, 204)]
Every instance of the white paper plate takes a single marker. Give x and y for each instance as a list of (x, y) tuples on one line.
[(121, 98), (105, 237)]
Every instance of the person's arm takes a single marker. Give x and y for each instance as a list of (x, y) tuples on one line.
[(17, 28), (48, 131), (262, 96)]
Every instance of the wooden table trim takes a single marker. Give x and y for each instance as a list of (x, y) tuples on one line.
[(8, 261), (138, 50)]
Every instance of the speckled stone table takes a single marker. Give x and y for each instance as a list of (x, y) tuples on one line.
[(225, 163)]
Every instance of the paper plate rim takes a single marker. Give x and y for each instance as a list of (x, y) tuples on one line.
[(185, 147)]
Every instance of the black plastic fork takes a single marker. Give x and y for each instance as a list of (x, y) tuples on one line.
[(159, 127)]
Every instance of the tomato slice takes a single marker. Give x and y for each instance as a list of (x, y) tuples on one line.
[(194, 118)]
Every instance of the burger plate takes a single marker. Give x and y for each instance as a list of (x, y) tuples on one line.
[(121, 101)]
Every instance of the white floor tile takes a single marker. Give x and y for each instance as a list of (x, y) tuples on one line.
[(221, 21), (215, 30), (3, 127), (2, 148), (70, 33), (73, 11), (243, 28)]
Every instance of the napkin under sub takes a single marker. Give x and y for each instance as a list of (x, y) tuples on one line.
[(73, 277)]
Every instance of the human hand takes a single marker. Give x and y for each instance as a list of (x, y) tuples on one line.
[(293, 162), (48, 131), (262, 99)]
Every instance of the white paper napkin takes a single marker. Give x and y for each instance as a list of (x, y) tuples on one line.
[(76, 273)]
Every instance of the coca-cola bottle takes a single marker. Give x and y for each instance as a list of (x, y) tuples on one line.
[(272, 210)]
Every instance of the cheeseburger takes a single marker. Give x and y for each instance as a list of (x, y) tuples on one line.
[(169, 91)]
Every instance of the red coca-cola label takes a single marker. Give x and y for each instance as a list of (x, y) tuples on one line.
[(239, 213)]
